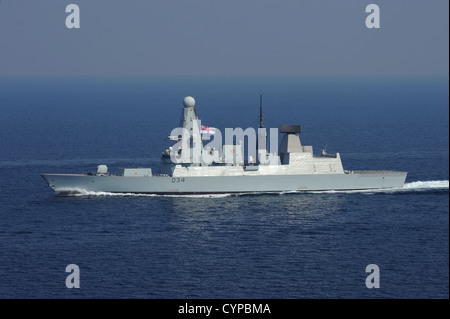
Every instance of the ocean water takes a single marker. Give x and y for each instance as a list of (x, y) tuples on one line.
[(276, 246)]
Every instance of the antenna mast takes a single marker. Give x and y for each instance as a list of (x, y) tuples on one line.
[(260, 112), (261, 141)]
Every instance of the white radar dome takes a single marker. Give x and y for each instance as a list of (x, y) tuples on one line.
[(189, 101)]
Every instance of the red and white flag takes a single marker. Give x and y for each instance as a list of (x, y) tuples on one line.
[(208, 130)]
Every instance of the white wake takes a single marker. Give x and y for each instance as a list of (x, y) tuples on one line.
[(407, 187), (426, 185), (83, 192)]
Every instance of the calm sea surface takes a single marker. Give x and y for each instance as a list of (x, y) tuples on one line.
[(308, 245)]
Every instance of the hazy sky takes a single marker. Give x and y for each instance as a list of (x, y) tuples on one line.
[(224, 37)]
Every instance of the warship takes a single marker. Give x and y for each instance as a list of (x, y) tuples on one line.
[(188, 167)]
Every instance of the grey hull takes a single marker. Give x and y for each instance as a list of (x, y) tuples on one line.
[(68, 183)]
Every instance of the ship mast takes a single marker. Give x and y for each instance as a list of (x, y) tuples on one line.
[(260, 112), (262, 135)]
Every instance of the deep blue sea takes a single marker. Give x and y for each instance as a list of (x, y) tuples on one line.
[(275, 246)]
